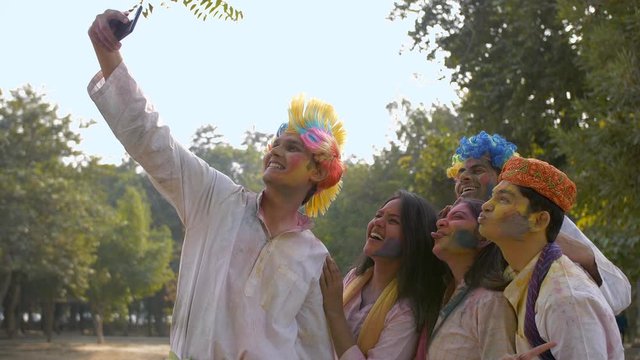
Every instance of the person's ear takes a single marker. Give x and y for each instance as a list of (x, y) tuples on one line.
[(539, 221), (318, 173)]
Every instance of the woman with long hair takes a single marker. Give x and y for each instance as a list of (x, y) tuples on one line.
[(394, 291), (476, 320)]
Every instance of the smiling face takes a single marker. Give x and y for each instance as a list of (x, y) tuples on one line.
[(457, 233), (475, 179), (384, 232), (288, 163), (506, 215)]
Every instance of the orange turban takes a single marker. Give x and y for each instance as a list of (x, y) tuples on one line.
[(543, 178)]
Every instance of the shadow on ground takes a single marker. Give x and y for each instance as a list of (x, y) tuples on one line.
[(80, 347)]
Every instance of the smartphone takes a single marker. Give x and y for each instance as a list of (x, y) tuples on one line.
[(120, 29)]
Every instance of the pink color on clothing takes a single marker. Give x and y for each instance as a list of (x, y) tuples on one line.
[(398, 339)]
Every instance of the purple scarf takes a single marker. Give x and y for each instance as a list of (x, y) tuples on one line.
[(549, 254)]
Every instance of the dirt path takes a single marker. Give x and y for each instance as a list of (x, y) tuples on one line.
[(78, 347)]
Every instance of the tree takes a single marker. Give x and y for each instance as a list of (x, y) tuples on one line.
[(132, 259), (45, 206), (429, 138), (243, 166), (603, 151), (514, 60)]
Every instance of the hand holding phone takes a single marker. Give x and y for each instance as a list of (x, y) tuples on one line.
[(120, 29)]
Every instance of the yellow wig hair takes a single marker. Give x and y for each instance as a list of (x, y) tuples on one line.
[(324, 135)]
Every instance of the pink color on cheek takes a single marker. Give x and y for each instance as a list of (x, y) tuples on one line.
[(296, 159), (297, 162)]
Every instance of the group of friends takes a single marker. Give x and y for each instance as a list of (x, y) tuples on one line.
[(501, 273)]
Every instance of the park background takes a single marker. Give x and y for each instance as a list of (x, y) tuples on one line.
[(88, 247)]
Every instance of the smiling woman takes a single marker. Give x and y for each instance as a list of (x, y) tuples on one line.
[(394, 291)]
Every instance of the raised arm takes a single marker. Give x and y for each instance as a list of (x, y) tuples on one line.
[(105, 43), (189, 184)]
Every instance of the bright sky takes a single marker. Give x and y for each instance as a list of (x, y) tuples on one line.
[(236, 76)]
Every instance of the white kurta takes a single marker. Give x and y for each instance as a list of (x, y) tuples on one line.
[(482, 327), (241, 293), (570, 310), (615, 285)]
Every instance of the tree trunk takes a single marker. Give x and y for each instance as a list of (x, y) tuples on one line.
[(5, 277), (148, 307), (14, 299), (97, 323), (48, 318), (5, 281), (73, 314)]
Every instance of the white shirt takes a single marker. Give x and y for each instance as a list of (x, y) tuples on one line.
[(615, 285), (481, 327), (241, 294), (570, 310)]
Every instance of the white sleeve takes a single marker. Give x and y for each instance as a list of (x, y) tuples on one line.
[(184, 179), (582, 326), (615, 285)]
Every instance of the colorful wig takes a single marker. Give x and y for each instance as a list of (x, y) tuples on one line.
[(323, 134), (497, 148)]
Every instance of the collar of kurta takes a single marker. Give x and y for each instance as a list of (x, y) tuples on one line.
[(516, 291), (304, 222)]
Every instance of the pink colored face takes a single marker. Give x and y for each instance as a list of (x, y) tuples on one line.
[(457, 233), (505, 216), (384, 232), (288, 162), (476, 179)]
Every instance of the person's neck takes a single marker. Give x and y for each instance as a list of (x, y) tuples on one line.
[(384, 271), (279, 211), (459, 265), (518, 253)]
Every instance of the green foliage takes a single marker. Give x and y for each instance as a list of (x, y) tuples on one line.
[(429, 139), (132, 258), (244, 166), (46, 207), (201, 9), (603, 152), (514, 61)]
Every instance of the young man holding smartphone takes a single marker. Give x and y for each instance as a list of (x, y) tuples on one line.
[(248, 281)]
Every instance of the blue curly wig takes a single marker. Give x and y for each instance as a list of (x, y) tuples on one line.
[(495, 146)]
